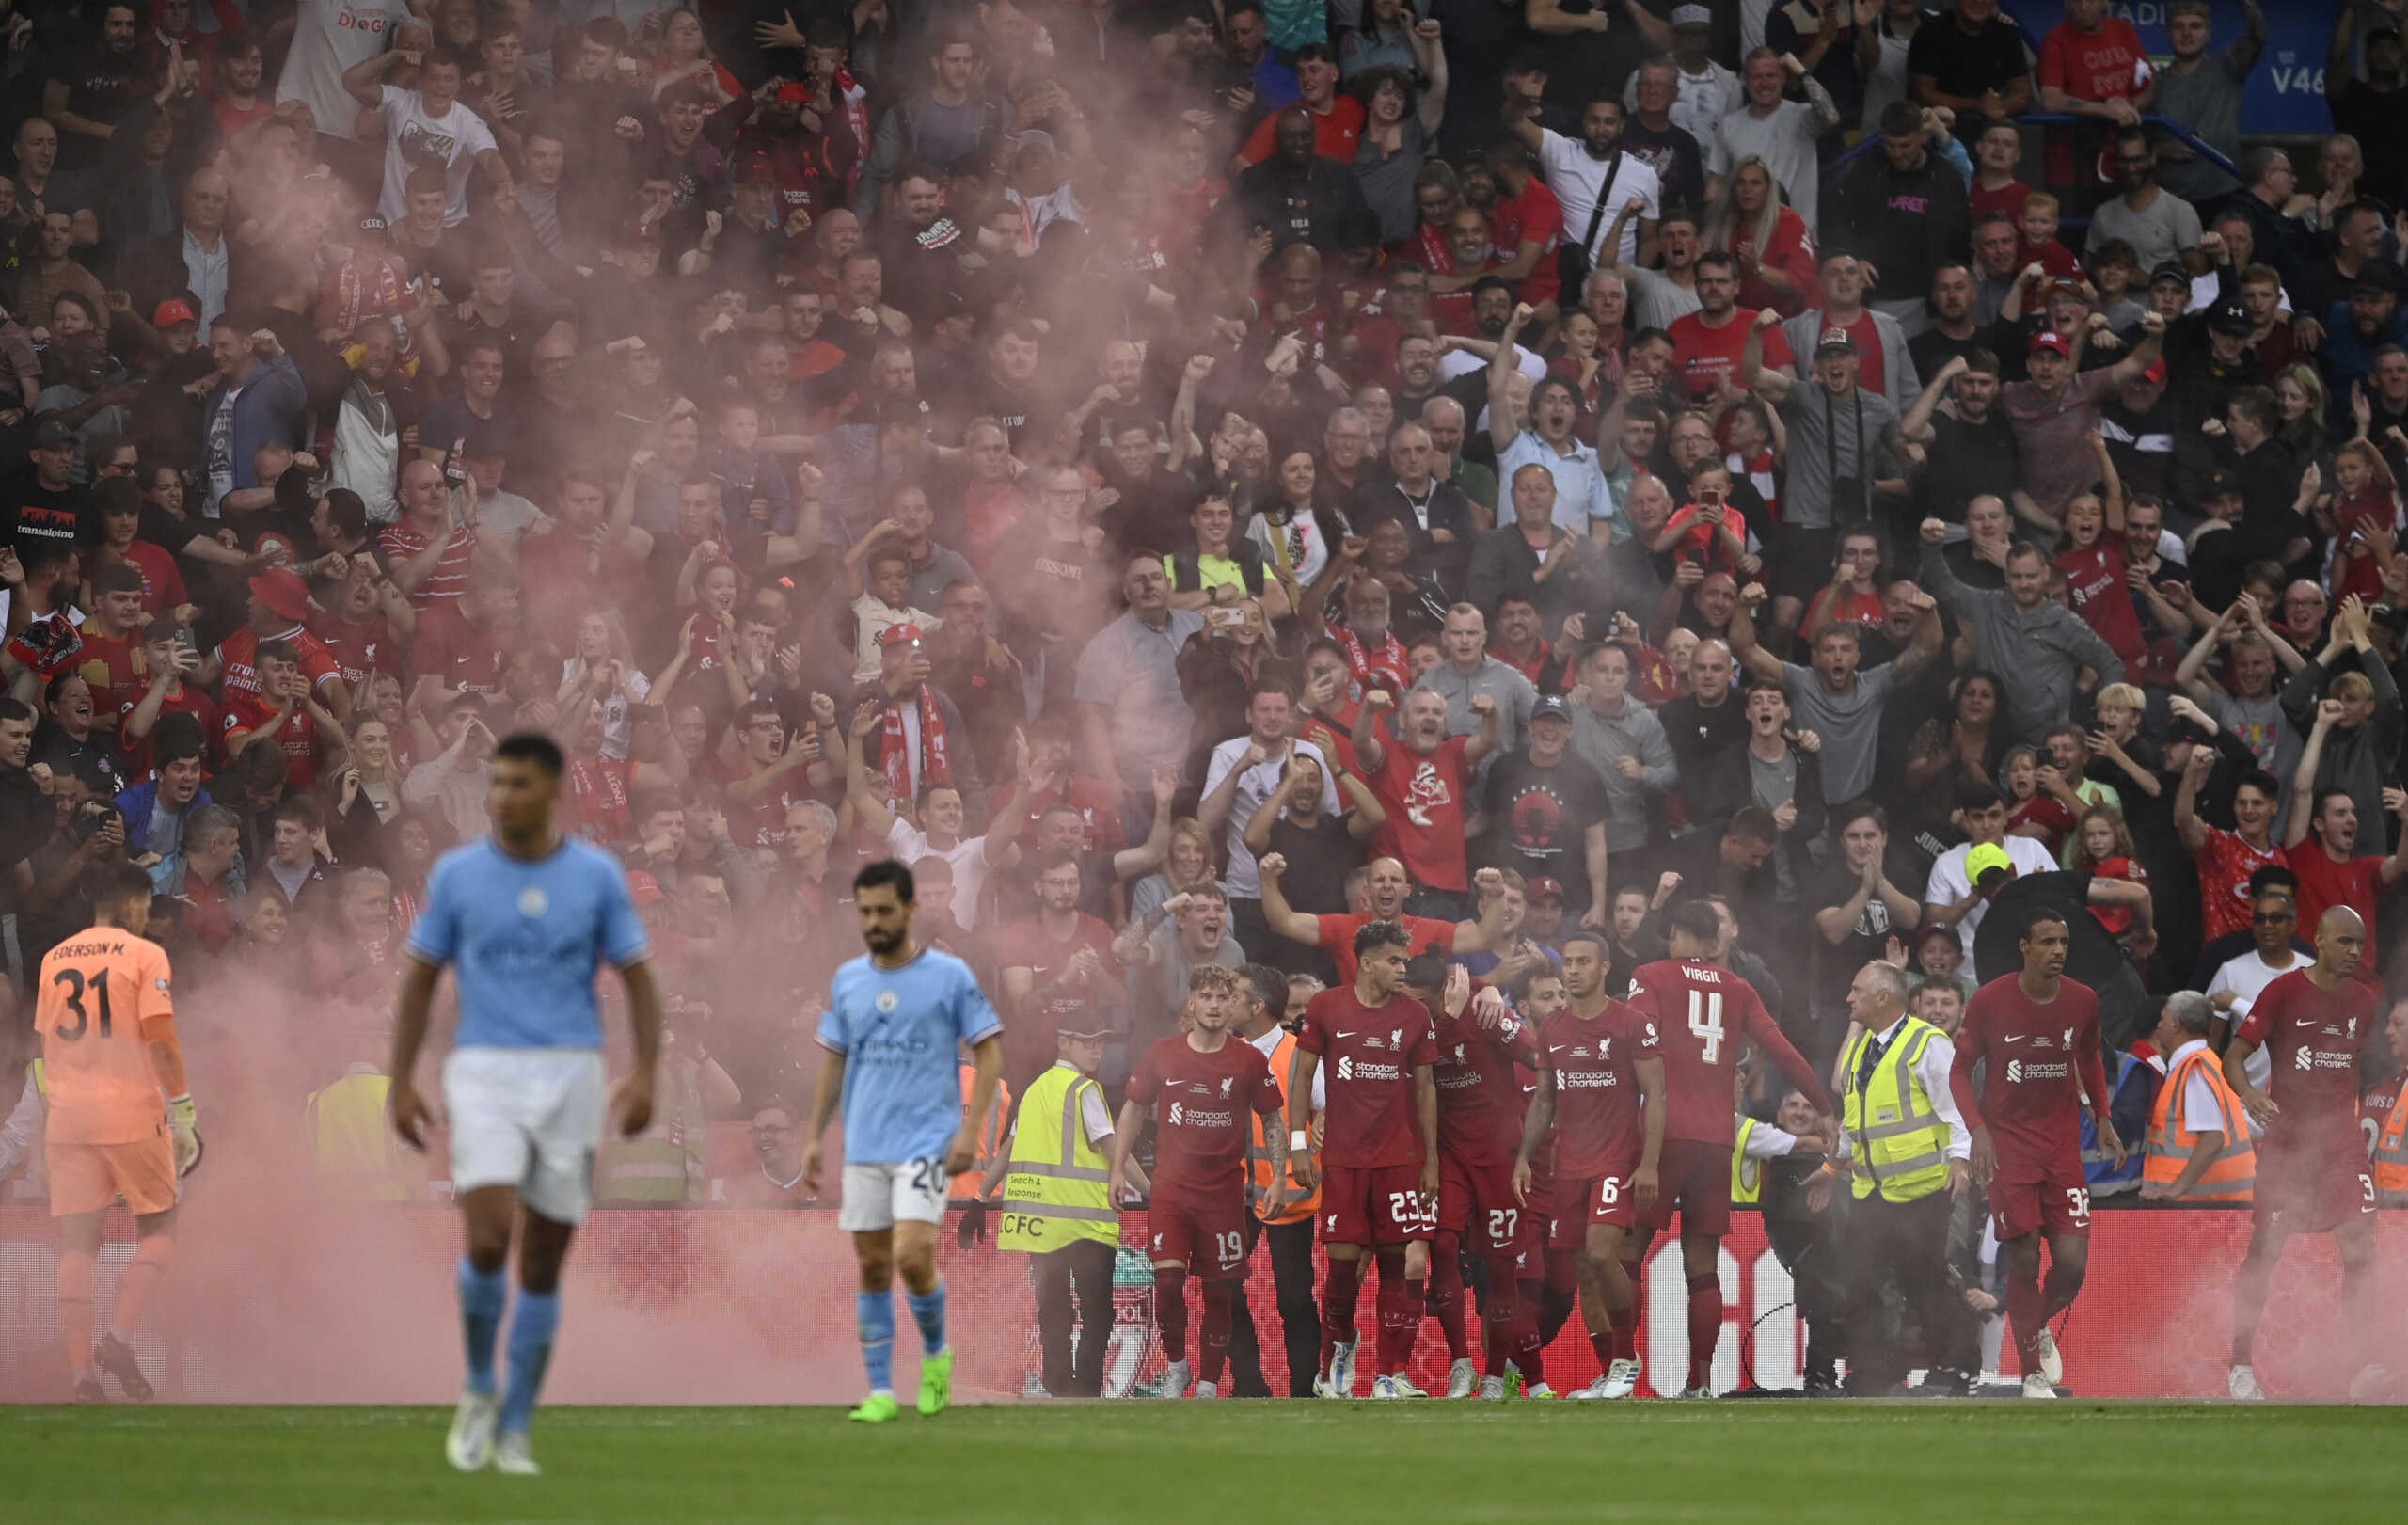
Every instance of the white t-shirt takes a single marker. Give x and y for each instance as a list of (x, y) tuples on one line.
[(414, 139), (2246, 977), (1949, 884), (1577, 180), (968, 859), (328, 37)]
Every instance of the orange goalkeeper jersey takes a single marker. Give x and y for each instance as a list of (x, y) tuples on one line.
[(103, 996)]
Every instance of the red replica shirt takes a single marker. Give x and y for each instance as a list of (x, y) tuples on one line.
[(2225, 862), (162, 582), (1424, 793), (115, 668), (455, 653), (1535, 216), (296, 736), (1201, 1103), (2109, 64), (2042, 1059), (2323, 884), (1337, 939), (1370, 1054), (238, 661), (358, 647), (1702, 1013), (1597, 1103), (182, 699), (2312, 1037), (1480, 1100), (1703, 356), (2095, 580)]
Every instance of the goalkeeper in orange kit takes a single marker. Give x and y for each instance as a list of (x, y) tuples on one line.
[(120, 1119)]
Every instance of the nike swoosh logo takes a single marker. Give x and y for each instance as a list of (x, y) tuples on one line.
[(2016, 1038), (1342, 1035)]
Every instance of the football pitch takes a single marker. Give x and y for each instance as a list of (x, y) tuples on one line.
[(1789, 1461)]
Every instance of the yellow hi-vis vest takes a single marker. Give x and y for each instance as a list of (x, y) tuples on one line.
[(1898, 1142), (350, 1149), (1746, 1175), (1058, 1190), (2391, 1154)]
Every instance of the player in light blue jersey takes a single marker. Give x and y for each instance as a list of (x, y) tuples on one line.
[(893, 1030), (523, 918)]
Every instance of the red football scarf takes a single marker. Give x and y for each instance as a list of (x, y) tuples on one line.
[(1383, 669), (936, 758)]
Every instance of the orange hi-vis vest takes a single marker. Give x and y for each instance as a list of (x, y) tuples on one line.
[(990, 1139), (1292, 1203), (2233, 1176), (2391, 1154)]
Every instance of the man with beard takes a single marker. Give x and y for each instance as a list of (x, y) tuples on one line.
[(2158, 224), (1525, 218), (1593, 177), (1707, 343), (1953, 331), (1386, 888), (1842, 437), (1490, 307), (1295, 194), (1968, 454), (93, 90), (950, 124)]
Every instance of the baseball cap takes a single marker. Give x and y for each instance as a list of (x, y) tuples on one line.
[(2374, 279), (371, 224), (2230, 318), (1551, 706), (53, 435), (643, 889), (1544, 888), (2155, 374), (282, 591), (2067, 288), (1692, 16), (172, 311), (2220, 483), (795, 91), (1835, 339), (1987, 858), (2050, 340), (2172, 270), (640, 231), (907, 633)]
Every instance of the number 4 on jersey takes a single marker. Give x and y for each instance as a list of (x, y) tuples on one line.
[(1705, 1020)]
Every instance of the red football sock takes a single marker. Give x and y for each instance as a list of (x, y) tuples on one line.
[(1602, 1342), (1387, 1306), (2026, 1313), (1529, 1351), (1339, 1292), (1220, 1306), (1637, 1276), (2057, 1290), (1626, 1334), (1412, 1307), (1447, 1290), (1705, 1326), (1170, 1309), (1500, 1317)]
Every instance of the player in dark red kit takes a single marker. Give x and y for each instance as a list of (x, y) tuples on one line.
[(1479, 1123), (1201, 1087), (1702, 1012), (1379, 1154), (1597, 1059), (2036, 1032), (1546, 1280), (2312, 1174)]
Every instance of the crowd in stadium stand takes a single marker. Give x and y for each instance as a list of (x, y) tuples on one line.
[(1091, 453)]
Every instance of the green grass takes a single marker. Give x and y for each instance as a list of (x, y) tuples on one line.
[(1791, 1462)]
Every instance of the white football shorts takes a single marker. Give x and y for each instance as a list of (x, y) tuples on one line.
[(877, 1196), (528, 1117)]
